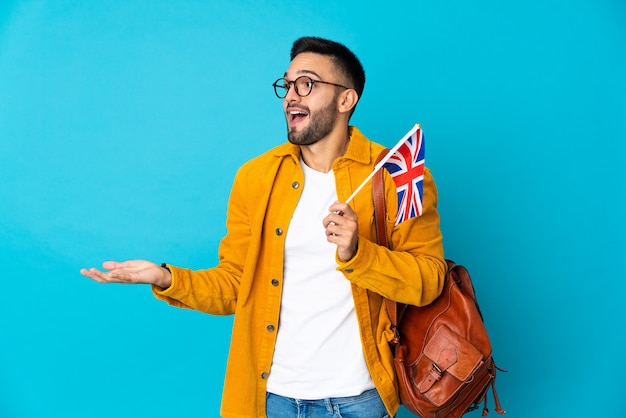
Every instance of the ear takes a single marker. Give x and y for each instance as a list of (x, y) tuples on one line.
[(347, 101)]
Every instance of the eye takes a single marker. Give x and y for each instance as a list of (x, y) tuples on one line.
[(304, 85)]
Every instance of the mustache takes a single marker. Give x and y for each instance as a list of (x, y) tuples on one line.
[(298, 106)]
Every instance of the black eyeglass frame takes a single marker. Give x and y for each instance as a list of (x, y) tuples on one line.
[(293, 83)]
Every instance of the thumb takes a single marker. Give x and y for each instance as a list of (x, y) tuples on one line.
[(112, 265)]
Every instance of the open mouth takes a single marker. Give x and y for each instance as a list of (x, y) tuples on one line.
[(296, 115)]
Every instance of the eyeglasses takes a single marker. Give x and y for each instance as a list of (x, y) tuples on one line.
[(302, 85)]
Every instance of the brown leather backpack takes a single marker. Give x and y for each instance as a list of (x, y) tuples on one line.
[(442, 352)]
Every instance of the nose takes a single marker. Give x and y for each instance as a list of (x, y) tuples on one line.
[(291, 95)]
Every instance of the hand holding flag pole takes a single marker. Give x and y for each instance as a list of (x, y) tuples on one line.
[(405, 163), (383, 161)]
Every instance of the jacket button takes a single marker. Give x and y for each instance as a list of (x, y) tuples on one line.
[(270, 328), (264, 375), (274, 282), (279, 231), (295, 184)]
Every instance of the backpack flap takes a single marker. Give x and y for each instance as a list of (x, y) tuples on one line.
[(447, 353)]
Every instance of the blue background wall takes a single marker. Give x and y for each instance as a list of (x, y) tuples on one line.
[(122, 124)]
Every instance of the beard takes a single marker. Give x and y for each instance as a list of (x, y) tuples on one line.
[(320, 125)]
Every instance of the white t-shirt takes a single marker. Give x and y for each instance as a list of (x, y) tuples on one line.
[(318, 350)]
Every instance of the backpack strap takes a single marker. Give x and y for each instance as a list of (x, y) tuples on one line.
[(378, 194)]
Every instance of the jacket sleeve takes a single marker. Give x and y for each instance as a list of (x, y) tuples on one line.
[(215, 290), (414, 271)]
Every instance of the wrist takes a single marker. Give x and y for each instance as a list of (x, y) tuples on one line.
[(166, 278)]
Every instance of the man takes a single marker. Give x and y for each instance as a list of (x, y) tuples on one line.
[(299, 269)]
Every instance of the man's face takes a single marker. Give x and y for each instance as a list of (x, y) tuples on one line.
[(311, 118)]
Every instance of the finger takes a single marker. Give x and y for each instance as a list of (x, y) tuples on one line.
[(333, 228), (86, 273), (337, 205), (112, 265), (94, 274), (340, 207), (342, 222), (336, 218), (338, 231), (330, 219), (334, 239)]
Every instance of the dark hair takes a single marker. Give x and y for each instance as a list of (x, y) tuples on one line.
[(342, 57)]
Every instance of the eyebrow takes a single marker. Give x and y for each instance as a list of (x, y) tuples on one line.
[(305, 72)]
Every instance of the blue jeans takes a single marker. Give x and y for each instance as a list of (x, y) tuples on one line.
[(366, 405)]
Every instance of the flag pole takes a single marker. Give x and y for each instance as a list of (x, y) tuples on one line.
[(383, 161)]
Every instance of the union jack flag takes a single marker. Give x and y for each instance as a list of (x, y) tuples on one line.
[(406, 167)]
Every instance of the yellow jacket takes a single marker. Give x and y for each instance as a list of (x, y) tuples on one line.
[(247, 281)]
